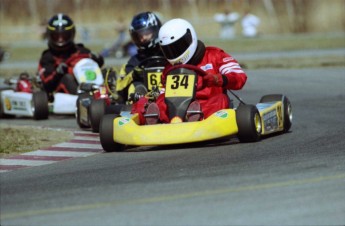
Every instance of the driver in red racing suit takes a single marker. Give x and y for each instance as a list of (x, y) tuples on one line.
[(179, 43), (54, 69)]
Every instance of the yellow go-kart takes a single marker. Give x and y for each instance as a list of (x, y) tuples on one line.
[(248, 122), (149, 80)]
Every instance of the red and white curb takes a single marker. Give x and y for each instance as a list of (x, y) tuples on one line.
[(83, 144)]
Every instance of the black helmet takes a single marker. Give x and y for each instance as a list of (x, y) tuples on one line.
[(144, 30), (60, 31)]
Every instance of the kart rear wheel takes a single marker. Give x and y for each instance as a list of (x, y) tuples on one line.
[(40, 105), (249, 123), (96, 112), (287, 108), (106, 134)]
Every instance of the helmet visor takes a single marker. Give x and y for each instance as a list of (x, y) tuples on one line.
[(61, 38), (177, 48), (143, 37)]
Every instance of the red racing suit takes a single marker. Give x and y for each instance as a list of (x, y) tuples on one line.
[(50, 59), (213, 98)]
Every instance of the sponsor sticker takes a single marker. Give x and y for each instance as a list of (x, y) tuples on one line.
[(8, 104), (262, 106), (226, 59), (123, 121), (222, 114), (270, 120), (207, 67), (184, 58)]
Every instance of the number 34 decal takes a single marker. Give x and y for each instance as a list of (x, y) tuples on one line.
[(180, 85), (178, 81)]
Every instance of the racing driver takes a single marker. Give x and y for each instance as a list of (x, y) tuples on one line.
[(144, 30), (180, 45), (55, 74)]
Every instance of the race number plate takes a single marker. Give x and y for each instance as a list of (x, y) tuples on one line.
[(180, 85), (154, 80)]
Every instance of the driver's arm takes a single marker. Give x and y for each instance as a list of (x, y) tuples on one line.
[(124, 78)]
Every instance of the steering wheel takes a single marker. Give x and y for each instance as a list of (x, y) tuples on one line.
[(153, 61)]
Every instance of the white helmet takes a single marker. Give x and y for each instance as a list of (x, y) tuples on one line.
[(178, 41)]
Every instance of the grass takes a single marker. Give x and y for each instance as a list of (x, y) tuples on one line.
[(20, 139), (282, 43)]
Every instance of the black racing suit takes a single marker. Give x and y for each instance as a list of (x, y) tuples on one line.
[(53, 81)]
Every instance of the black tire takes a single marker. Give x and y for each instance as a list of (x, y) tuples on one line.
[(286, 105), (106, 132), (78, 104), (40, 105), (96, 112), (2, 111), (249, 123), (114, 109)]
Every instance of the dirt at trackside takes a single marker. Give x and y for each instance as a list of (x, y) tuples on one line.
[(19, 139)]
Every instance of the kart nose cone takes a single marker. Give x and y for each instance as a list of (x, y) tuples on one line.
[(176, 119)]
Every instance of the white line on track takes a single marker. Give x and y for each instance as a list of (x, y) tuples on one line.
[(59, 153), (24, 162), (86, 138), (79, 145)]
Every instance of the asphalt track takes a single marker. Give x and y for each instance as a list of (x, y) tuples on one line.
[(296, 178)]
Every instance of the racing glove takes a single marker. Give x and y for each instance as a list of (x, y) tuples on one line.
[(213, 80), (138, 73), (62, 68)]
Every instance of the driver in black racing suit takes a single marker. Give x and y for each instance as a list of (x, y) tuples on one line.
[(55, 74), (144, 30)]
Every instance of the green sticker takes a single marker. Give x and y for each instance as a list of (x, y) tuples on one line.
[(123, 121), (222, 114), (90, 75)]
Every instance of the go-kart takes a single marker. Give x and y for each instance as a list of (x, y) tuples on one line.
[(95, 85), (248, 122), (21, 97), (149, 81), (25, 96)]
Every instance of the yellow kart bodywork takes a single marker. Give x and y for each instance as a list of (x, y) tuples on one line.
[(126, 130), (248, 122), (271, 116)]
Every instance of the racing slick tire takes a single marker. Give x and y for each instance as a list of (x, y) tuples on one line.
[(114, 109), (40, 105), (287, 109), (106, 132), (249, 123), (96, 112), (78, 112)]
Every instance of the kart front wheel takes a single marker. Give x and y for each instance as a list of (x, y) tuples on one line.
[(40, 105), (287, 108), (249, 123), (106, 134), (96, 112)]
